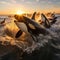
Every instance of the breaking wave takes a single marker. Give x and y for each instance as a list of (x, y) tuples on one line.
[(25, 42)]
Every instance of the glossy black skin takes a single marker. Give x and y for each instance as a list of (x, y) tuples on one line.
[(18, 34), (33, 17), (38, 28), (54, 20), (46, 23)]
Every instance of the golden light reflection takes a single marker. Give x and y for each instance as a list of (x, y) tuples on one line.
[(20, 12)]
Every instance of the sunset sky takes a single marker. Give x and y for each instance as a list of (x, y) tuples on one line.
[(12, 6)]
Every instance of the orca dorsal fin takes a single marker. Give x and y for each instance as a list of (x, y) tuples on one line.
[(45, 21), (33, 16)]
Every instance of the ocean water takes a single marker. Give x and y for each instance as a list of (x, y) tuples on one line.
[(25, 42)]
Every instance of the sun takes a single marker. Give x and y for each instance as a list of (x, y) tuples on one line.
[(19, 12)]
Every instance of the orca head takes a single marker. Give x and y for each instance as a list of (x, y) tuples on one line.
[(29, 26), (22, 26), (33, 16), (46, 22)]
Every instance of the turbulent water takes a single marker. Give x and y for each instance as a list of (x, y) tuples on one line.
[(25, 42)]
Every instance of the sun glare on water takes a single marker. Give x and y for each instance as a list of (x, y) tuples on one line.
[(19, 12)]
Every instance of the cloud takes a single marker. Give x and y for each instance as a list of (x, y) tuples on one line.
[(32, 1), (28, 2), (42, 1), (13, 1), (23, 0), (8, 4), (2, 2), (37, 0)]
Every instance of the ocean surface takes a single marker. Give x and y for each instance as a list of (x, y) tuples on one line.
[(25, 42)]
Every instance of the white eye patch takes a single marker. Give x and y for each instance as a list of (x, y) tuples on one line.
[(31, 26), (22, 26)]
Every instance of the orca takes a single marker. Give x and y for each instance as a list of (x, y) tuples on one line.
[(31, 27), (45, 21), (2, 22), (33, 16), (53, 19)]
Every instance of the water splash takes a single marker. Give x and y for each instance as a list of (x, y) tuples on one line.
[(25, 42)]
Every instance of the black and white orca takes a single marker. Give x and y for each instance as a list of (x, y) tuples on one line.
[(53, 18), (31, 27), (45, 21)]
